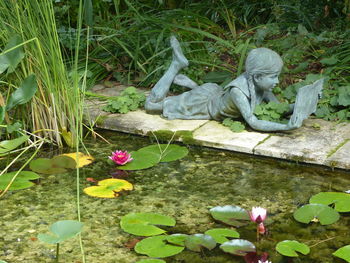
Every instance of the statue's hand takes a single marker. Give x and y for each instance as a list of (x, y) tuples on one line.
[(295, 122)]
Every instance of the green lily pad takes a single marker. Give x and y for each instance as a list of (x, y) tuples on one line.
[(239, 247), (220, 234), (340, 200), (316, 212), (9, 145), (1, 261), (343, 253), (143, 224), (141, 160), (150, 260), (177, 239), (22, 181), (108, 188), (289, 248), (61, 231), (56, 165), (157, 247), (197, 241), (231, 215)]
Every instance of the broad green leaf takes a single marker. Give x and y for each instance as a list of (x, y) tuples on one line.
[(7, 146), (2, 113), (56, 165), (220, 234), (141, 161), (166, 153), (61, 231), (108, 188), (344, 96), (157, 247), (11, 59), (340, 200), (329, 61), (230, 214), (239, 247), (22, 181), (343, 253), (177, 239), (289, 248), (24, 93), (197, 241), (151, 260), (143, 224), (316, 212)]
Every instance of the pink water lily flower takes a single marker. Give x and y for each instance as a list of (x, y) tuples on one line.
[(258, 214), (263, 261), (120, 157)]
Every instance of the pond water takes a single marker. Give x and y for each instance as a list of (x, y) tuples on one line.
[(184, 189)]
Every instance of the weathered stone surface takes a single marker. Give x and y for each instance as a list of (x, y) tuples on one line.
[(341, 158), (311, 144), (214, 134)]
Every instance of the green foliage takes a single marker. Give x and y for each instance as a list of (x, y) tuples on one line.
[(289, 248), (56, 165), (197, 241), (61, 231), (235, 126), (151, 261), (316, 213), (10, 59), (129, 100), (230, 214), (239, 247), (143, 224), (343, 253), (9, 145), (341, 201), (220, 234), (22, 181), (271, 111)]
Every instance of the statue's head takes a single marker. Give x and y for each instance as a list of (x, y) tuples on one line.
[(263, 61)]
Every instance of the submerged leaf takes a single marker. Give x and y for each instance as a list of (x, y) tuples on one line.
[(108, 188), (239, 247), (220, 234), (80, 158), (61, 231), (341, 200), (316, 212), (197, 241), (343, 253), (143, 224), (22, 181), (56, 165), (289, 248), (230, 214), (157, 247)]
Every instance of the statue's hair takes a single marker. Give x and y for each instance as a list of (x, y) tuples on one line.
[(260, 61)]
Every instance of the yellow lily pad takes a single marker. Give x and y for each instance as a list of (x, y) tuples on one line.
[(82, 159), (108, 188)]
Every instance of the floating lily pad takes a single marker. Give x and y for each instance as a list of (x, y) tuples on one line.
[(9, 145), (220, 234), (316, 212), (289, 248), (197, 241), (340, 200), (151, 260), (1, 261), (22, 181), (151, 155), (61, 231), (230, 214), (177, 239), (157, 247), (239, 247), (343, 253), (56, 165), (143, 224), (108, 188), (81, 159)]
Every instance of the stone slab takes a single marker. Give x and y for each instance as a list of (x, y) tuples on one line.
[(312, 143), (341, 158), (214, 134)]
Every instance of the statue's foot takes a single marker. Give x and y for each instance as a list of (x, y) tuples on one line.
[(178, 56)]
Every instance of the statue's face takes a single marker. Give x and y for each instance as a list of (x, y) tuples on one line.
[(266, 82)]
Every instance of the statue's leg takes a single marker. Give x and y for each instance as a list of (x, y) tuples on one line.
[(160, 90), (183, 80)]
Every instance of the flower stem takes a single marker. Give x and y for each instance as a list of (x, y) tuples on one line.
[(57, 251)]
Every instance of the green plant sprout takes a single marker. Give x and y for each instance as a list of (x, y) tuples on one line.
[(61, 231)]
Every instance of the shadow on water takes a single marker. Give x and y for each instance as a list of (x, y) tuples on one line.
[(185, 190)]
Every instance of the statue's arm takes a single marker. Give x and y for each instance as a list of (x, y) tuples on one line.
[(243, 104), (269, 96)]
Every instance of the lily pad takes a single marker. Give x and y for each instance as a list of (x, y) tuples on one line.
[(220, 234), (81, 159), (61, 231), (239, 247), (157, 247), (56, 165), (150, 260), (343, 253), (340, 200), (177, 239), (289, 248), (22, 181), (231, 215), (141, 160), (197, 241), (316, 212), (143, 224), (108, 188), (9, 145)]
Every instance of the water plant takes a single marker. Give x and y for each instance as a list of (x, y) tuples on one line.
[(343, 253), (120, 157), (289, 248), (258, 215), (108, 188), (61, 231)]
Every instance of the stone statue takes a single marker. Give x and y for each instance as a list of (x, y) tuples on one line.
[(238, 99)]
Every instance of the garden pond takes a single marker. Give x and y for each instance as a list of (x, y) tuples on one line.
[(186, 190)]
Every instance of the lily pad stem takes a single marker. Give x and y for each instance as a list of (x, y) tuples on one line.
[(57, 251)]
